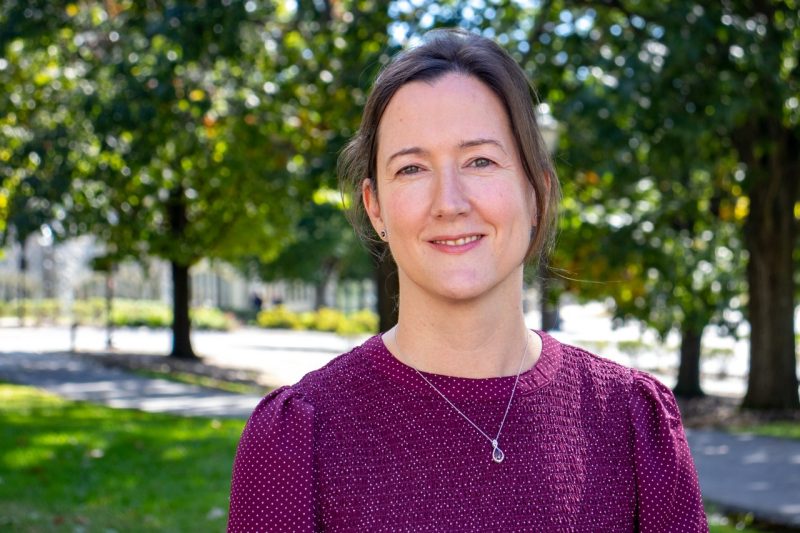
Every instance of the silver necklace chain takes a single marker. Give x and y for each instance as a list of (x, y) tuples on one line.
[(497, 454)]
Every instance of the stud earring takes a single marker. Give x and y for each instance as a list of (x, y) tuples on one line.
[(383, 234)]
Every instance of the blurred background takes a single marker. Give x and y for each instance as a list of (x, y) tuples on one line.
[(172, 164)]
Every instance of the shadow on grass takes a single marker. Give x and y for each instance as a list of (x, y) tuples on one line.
[(66, 464)]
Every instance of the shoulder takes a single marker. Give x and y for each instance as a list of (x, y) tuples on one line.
[(643, 395), (344, 374), (318, 389), (592, 369)]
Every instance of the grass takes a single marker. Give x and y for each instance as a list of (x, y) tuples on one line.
[(740, 522), (67, 466), (784, 430)]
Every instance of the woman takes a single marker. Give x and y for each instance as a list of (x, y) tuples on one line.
[(459, 418)]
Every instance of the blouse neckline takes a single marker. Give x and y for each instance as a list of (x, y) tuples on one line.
[(468, 389)]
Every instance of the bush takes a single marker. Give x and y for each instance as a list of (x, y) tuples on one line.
[(325, 319), (213, 319), (133, 314), (38, 310), (124, 313), (328, 319), (364, 321), (279, 317)]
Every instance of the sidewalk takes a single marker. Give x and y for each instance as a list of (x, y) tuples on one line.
[(78, 379), (737, 472)]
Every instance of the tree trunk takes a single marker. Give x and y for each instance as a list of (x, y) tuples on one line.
[(181, 325), (388, 287), (181, 290), (320, 288), (218, 286), (770, 236), (549, 308), (21, 290), (109, 308), (688, 385)]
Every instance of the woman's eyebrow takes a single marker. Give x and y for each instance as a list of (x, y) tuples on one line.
[(406, 151), (481, 141), (416, 150)]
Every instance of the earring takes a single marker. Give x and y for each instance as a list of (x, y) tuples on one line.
[(383, 234)]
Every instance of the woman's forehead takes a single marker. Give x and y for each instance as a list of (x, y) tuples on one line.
[(456, 110)]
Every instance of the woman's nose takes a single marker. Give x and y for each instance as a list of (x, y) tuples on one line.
[(449, 196)]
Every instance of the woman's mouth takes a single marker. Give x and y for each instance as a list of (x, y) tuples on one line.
[(460, 241)]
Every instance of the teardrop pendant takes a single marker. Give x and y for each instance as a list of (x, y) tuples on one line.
[(497, 453)]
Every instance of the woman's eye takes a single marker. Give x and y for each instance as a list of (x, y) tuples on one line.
[(410, 169), (481, 162)]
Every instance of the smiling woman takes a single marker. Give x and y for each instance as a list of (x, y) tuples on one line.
[(459, 418), (458, 209)]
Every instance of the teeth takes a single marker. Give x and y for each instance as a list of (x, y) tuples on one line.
[(460, 242)]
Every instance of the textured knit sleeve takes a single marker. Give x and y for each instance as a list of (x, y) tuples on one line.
[(668, 493), (272, 488)]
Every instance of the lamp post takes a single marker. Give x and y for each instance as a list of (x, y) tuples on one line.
[(549, 128)]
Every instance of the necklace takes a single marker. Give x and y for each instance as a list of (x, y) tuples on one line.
[(497, 453)]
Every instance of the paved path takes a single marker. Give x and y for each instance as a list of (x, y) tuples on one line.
[(737, 472), (746, 473), (79, 379)]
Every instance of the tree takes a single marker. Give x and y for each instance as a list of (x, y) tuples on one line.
[(176, 119), (700, 58), (336, 49), (323, 249), (648, 85), (709, 54), (35, 156), (650, 210)]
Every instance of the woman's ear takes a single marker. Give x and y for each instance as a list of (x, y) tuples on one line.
[(369, 195)]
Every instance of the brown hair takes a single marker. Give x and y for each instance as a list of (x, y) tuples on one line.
[(456, 51)]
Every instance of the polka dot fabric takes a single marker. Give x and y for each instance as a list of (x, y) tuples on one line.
[(364, 444)]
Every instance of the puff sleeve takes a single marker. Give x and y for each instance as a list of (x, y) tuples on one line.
[(272, 487), (668, 493)]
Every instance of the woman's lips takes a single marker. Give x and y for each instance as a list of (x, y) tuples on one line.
[(460, 241), (456, 244)]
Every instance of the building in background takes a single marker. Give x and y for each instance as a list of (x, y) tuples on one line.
[(62, 271)]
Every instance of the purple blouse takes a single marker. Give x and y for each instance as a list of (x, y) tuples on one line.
[(364, 444)]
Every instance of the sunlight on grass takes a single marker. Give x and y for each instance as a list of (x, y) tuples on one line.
[(76, 466), (784, 430)]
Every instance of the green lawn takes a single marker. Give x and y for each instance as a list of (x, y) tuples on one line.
[(785, 430), (69, 466), (74, 466)]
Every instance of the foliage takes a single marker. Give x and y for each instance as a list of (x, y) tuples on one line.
[(323, 247), (79, 466), (34, 118), (280, 317), (208, 124), (674, 175), (324, 319)]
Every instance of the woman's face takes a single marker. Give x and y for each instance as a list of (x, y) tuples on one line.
[(453, 198)]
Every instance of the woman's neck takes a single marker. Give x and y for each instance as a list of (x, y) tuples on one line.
[(475, 339)]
